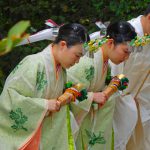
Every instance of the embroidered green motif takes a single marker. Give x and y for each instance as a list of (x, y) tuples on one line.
[(16, 68), (93, 138), (41, 82), (108, 77), (89, 73), (19, 119)]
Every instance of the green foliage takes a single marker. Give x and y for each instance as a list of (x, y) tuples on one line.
[(81, 11), (15, 36)]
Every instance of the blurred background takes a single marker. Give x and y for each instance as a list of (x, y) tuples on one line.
[(85, 12)]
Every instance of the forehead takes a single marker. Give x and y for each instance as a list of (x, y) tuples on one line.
[(78, 48), (124, 44)]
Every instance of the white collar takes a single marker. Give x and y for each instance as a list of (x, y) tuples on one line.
[(136, 23)]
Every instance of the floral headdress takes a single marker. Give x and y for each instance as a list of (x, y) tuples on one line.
[(135, 44), (138, 43), (93, 45)]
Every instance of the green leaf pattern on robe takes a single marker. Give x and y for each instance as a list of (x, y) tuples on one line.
[(41, 82), (19, 119), (89, 73), (95, 139), (53, 148)]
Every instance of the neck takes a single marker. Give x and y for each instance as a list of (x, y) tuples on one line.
[(55, 53), (143, 21), (105, 52)]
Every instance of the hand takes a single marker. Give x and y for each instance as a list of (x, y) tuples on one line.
[(100, 98), (53, 105), (70, 98), (65, 98)]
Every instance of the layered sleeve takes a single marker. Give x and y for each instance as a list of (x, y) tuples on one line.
[(22, 107), (83, 72)]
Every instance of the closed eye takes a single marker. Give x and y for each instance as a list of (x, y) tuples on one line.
[(78, 56), (127, 51)]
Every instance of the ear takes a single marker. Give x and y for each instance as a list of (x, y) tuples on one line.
[(148, 16), (110, 43), (63, 44)]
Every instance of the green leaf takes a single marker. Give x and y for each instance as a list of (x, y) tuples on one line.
[(15, 36), (3, 45), (18, 29), (8, 45)]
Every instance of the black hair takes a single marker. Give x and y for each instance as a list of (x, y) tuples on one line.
[(147, 11), (73, 34), (120, 32)]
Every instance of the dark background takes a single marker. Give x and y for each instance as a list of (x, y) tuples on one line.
[(85, 12)]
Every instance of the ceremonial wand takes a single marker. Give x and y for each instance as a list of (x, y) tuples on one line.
[(119, 82), (71, 93)]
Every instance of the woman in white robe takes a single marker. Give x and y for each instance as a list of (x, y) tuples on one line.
[(137, 69)]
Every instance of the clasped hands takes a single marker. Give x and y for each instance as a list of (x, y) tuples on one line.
[(100, 98)]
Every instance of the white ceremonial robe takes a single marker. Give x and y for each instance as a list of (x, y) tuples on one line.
[(136, 69)]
